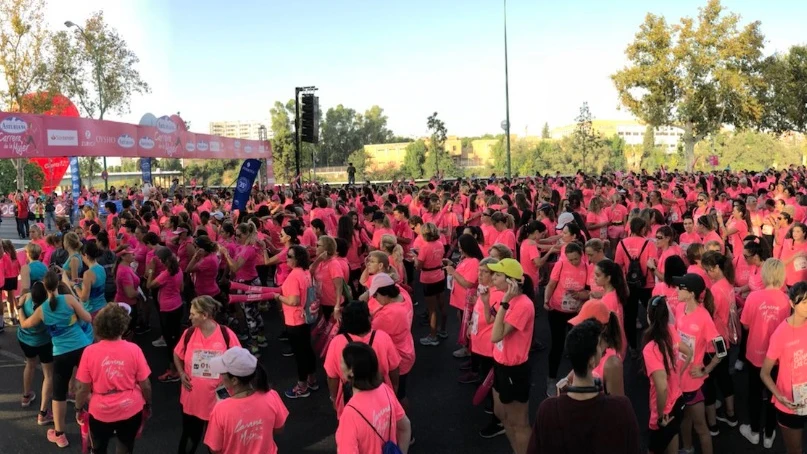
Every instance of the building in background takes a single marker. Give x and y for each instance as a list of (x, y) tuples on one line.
[(247, 130), (630, 130)]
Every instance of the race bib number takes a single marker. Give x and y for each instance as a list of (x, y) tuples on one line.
[(201, 363), (474, 323), (689, 341), (800, 398), (800, 263), (604, 232), (569, 303)]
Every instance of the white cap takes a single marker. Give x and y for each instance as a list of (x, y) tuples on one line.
[(236, 361), (564, 218)]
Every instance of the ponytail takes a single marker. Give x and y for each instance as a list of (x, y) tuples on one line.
[(260, 382), (709, 302), (613, 333), (51, 281), (658, 331)]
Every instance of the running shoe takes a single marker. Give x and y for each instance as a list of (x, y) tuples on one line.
[(429, 341), (243, 337), (262, 342), (27, 399), (750, 435), (44, 420), (142, 329), (287, 352), (442, 334), (313, 385), (159, 342), (461, 352), (71, 398), (714, 430), (767, 442), (466, 365), (468, 378), (60, 440), (731, 421), (168, 377), (492, 430), (283, 336), (297, 392)]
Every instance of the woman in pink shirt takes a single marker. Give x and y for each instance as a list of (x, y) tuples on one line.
[(394, 317), (382, 227), (329, 277), (786, 350), (793, 254), (169, 284), (512, 338), (609, 369), (597, 219), (689, 236), (429, 261), (373, 417), (126, 281), (246, 422), (115, 373), (763, 312), (11, 272), (718, 268), (705, 226), (204, 267), (737, 227)]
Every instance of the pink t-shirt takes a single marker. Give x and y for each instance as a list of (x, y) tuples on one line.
[(388, 359), (377, 234), (736, 239), (251, 255), (611, 301), (204, 278), (507, 238), (380, 407), (326, 272), (528, 253), (468, 268), (201, 398), (114, 369), (599, 370), (246, 426), (296, 284), (169, 295), (479, 329), (634, 245), (688, 238), (788, 346), (764, 310), (395, 319), (723, 294), (570, 279), (430, 256), (514, 349), (696, 330), (654, 362), (598, 218), (796, 270), (125, 276)]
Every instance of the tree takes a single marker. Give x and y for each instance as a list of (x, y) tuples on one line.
[(785, 94), (97, 68), (282, 141), (361, 160), (585, 141), (438, 132), (8, 181), (23, 60), (342, 133), (88, 169), (697, 76), (616, 155), (545, 134), (414, 159), (374, 127)]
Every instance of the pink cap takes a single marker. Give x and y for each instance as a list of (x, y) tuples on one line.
[(380, 280), (128, 250)]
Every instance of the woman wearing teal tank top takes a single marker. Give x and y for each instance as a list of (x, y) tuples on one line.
[(92, 291), (61, 315), (73, 266), (36, 346), (34, 270)]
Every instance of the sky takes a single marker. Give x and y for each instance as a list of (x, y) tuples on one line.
[(231, 60)]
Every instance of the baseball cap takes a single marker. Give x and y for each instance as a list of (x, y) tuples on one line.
[(380, 280), (509, 267), (179, 231), (563, 219), (595, 309), (691, 282), (128, 250), (218, 215), (236, 361)]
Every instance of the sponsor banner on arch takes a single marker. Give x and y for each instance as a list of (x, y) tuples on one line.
[(30, 136)]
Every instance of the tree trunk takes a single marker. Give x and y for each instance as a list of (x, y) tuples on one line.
[(19, 166), (689, 146)]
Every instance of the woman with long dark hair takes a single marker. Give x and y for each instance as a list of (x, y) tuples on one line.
[(463, 279), (609, 369), (169, 284), (608, 275), (36, 345)]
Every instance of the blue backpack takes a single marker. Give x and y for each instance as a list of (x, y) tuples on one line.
[(387, 446)]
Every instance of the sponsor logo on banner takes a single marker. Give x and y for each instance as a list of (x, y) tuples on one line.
[(248, 149), (237, 144), (190, 146), (202, 145), (126, 141), (62, 138), (215, 146), (13, 125), (146, 143), (91, 141), (166, 126), (243, 184)]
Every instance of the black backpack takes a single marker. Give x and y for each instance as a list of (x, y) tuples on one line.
[(189, 332), (347, 388), (635, 277)]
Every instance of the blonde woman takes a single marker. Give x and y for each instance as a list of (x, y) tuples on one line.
[(389, 245), (429, 261)]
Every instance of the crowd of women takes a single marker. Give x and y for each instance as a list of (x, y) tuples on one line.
[(674, 271)]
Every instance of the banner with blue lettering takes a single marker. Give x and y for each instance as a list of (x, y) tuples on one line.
[(75, 178), (145, 167), (243, 185)]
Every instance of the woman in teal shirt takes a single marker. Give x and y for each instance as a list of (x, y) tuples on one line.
[(61, 315), (34, 270), (35, 343)]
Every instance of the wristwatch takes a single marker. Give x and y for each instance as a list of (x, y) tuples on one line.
[(505, 305)]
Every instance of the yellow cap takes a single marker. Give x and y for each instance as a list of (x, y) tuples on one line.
[(509, 267)]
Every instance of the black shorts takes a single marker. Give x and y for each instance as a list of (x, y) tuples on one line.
[(402, 379), (660, 438), (125, 430), (10, 284), (512, 382), (434, 289), (43, 352), (62, 371), (790, 421)]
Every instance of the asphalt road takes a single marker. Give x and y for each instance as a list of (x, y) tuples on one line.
[(443, 417)]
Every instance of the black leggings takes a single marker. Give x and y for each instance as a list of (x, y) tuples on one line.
[(484, 364), (758, 399), (300, 340), (193, 429), (636, 296), (171, 327), (719, 378), (558, 324), (62, 371), (126, 431)]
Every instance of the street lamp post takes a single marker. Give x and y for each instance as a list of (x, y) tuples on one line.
[(506, 93), (98, 79)]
